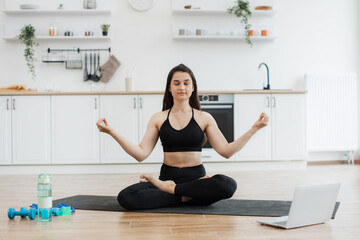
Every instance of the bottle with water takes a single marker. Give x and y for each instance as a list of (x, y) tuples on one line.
[(44, 197)]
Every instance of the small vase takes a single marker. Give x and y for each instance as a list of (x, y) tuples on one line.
[(89, 4), (105, 33)]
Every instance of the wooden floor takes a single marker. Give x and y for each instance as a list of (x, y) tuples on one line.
[(18, 191)]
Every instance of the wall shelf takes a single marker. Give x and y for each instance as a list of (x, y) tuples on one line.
[(257, 38), (56, 11), (222, 12), (63, 38)]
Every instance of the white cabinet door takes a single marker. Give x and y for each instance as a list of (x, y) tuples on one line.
[(5, 130), (31, 129), (247, 109), (148, 105), (75, 137), (288, 127), (121, 113), (283, 138)]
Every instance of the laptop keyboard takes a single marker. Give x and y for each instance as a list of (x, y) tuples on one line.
[(281, 223)]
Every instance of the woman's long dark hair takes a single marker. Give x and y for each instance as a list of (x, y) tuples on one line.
[(168, 101)]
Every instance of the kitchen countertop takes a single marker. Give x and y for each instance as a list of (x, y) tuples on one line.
[(12, 93)]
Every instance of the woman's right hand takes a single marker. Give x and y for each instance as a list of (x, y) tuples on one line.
[(261, 122), (103, 126)]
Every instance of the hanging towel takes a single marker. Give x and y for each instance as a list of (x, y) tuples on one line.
[(109, 68)]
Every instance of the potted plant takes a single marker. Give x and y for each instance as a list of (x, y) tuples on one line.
[(27, 37), (241, 10), (105, 29)]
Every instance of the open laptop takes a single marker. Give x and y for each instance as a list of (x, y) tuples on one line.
[(312, 204)]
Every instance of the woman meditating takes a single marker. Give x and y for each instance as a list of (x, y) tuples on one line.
[(183, 128)]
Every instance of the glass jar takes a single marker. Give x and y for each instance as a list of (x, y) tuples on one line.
[(53, 30), (89, 4)]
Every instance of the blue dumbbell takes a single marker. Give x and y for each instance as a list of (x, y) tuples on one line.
[(55, 211), (24, 212), (45, 213)]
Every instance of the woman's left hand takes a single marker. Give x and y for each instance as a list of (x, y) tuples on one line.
[(261, 122)]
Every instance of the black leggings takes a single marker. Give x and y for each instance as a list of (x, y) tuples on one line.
[(202, 191)]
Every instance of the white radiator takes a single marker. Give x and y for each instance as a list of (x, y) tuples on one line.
[(332, 112)]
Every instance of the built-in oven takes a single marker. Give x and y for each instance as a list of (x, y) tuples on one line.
[(221, 107)]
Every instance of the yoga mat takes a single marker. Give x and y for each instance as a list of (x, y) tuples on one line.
[(224, 207)]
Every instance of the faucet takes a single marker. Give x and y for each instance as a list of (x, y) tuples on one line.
[(268, 82)]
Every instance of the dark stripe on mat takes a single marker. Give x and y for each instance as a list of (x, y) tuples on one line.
[(238, 207)]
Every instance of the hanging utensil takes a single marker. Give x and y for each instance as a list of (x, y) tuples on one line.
[(95, 77), (73, 61), (86, 74), (93, 69), (90, 72), (98, 70)]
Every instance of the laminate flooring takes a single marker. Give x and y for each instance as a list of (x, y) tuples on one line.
[(18, 191)]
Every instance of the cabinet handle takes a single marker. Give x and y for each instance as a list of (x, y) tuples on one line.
[(274, 102), (134, 103), (267, 102), (95, 103), (140, 103), (13, 104), (7, 104)]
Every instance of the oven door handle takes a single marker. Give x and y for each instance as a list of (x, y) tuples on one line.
[(216, 106)]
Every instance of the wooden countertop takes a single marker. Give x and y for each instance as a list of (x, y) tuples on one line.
[(12, 93)]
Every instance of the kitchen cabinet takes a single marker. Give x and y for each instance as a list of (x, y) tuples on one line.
[(129, 116), (283, 138), (121, 113), (75, 137), (148, 105), (247, 109), (5, 130), (61, 129), (30, 129), (288, 127)]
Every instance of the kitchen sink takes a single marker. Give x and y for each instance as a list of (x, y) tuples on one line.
[(267, 90)]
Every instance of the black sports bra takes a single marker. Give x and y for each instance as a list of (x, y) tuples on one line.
[(188, 139)]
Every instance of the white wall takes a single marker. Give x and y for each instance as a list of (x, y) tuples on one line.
[(357, 157), (319, 36)]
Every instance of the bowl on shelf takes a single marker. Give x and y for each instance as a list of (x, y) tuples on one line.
[(263, 8), (89, 33), (29, 6)]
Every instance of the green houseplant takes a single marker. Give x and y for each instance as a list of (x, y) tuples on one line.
[(27, 37), (241, 10), (105, 29)]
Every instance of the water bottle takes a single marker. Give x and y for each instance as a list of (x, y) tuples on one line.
[(44, 197)]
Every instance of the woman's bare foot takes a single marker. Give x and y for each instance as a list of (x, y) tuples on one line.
[(166, 186), (185, 198), (206, 176)]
